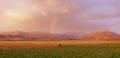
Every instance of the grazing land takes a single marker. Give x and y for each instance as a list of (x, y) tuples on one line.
[(60, 49), (8, 45), (108, 50)]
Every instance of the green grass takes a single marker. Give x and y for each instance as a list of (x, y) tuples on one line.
[(78, 51)]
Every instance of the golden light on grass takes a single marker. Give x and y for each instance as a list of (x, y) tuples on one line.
[(4, 45)]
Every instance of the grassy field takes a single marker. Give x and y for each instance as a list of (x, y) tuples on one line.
[(6, 45), (109, 50)]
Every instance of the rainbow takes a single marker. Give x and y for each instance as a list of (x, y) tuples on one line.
[(53, 24)]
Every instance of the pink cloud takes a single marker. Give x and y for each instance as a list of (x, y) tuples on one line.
[(72, 15)]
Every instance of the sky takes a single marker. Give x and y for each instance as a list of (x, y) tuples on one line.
[(60, 16)]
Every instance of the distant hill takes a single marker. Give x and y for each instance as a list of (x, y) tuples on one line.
[(102, 35), (19, 35)]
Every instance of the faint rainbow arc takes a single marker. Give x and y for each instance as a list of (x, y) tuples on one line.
[(53, 24)]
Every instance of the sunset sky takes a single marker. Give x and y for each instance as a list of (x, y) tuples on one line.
[(60, 16)]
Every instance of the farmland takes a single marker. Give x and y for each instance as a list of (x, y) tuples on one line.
[(6, 45), (71, 51), (50, 49)]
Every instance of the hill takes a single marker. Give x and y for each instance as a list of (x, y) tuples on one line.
[(102, 35), (19, 35)]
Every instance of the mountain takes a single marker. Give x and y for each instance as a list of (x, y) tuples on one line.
[(19, 35), (102, 35), (12, 33), (77, 34)]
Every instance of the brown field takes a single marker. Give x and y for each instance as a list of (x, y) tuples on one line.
[(4, 45)]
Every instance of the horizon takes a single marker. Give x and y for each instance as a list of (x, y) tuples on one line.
[(98, 31), (60, 16)]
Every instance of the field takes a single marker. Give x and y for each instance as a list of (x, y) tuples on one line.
[(51, 49), (6, 45)]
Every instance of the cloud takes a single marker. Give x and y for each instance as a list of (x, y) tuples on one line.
[(99, 12), (72, 15)]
